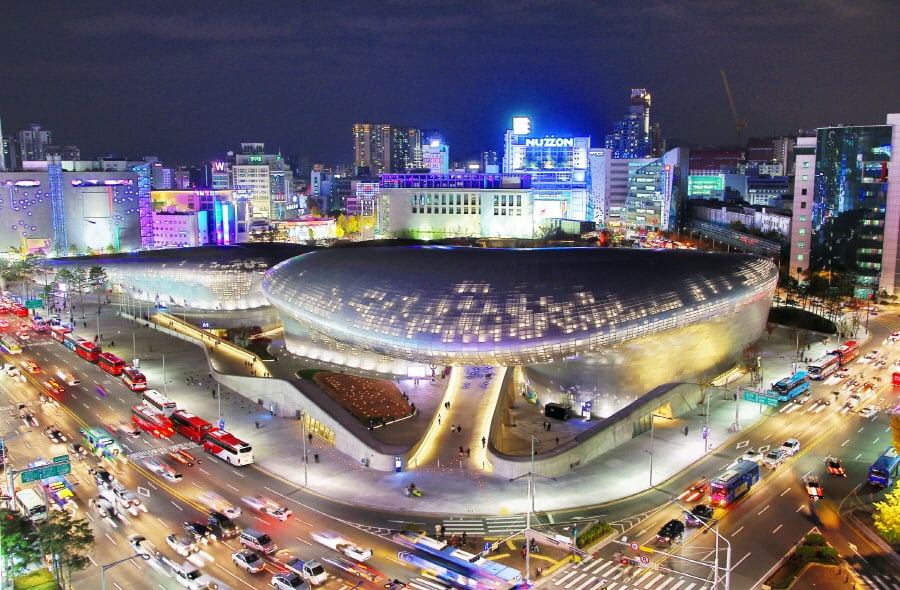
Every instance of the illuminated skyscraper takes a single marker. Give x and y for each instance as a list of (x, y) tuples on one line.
[(634, 136), (33, 143), (372, 147), (406, 149)]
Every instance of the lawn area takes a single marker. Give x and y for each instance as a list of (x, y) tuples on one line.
[(39, 579)]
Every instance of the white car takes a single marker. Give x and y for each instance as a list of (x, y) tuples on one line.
[(267, 506), (774, 458), (218, 503), (290, 581), (338, 543), (163, 470), (790, 447), (868, 412), (249, 560), (182, 544)]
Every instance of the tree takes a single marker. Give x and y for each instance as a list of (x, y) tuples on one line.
[(887, 517), (19, 541), (98, 278), (895, 431), (68, 540), (79, 284)]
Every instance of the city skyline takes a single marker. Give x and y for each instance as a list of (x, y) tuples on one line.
[(188, 84)]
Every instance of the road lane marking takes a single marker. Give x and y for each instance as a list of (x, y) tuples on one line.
[(740, 561), (784, 492), (737, 531), (777, 529), (763, 510)]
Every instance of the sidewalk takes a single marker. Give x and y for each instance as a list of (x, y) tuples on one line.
[(452, 484)]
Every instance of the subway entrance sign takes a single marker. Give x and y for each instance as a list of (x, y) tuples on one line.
[(45, 471), (761, 398)]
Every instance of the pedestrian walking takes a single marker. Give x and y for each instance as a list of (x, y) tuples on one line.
[(257, 424), (316, 457), (439, 419), (557, 441), (310, 437), (468, 453), (549, 426), (464, 539), (453, 428), (686, 429), (483, 442), (459, 429)]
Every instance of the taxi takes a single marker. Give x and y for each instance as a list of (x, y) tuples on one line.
[(31, 366), (54, 387)]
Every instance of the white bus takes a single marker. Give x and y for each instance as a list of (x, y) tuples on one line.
[(155, 399), (32, 505)]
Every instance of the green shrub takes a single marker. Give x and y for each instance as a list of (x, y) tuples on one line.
[(815, 540), (594, 534)]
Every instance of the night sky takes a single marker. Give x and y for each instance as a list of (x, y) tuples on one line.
[(188, 81)]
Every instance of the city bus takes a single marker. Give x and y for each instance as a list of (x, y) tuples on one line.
[(790, 387), (734, 483), (10, 345), (151, 421), (134, 379), (82, 347), (190, 426), (824, 366), (227, 447), (847, 352), (55, 488), (885, 469), (39, 324), (101, 444), (456, 566), (110, 363), (31, 504), (158, 402), (58, 333)]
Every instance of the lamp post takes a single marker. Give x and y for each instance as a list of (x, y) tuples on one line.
[(103, 568), (303, 436), (530, 475), (165, 381), (726, 579), (653, 415)]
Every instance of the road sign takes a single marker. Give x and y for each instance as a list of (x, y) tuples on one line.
[(761, 398), (45, 471), (635, 546), (644, 559), (34, 303), (61, 459)]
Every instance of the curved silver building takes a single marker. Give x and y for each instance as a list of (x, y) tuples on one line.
[(472, 306)]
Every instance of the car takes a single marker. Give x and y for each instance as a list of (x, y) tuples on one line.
[(267, 506), (126, 428), (338, 543), (249, 560), (182, 544), (820, 403), (671, 532), (12, 370), (199, 531), (4, 324), (774, 458), (868, 412), (751, 455), (218, 503), (792, 302), (55, 435), (54, 387), (871, 355), (102, 477), (852, 401), (78, 450), (31, 366), (288, 581), (696, 491), (183, 457), (163, 470), (835, 467), (700, 514), (790, 447), (813, 487)]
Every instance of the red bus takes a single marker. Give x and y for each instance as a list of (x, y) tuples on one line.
[(847, 352), (83, 348), (228, 447), (189, 425), (58, 333), (20, 311), (152, 422), (134, 379), (110, 363)]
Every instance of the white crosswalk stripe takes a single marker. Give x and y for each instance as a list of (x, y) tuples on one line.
[(577, 579)]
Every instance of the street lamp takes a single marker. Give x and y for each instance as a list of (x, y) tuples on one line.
[(530, 475), (103, 568), (726, 579), (303, 436), (653, 415)]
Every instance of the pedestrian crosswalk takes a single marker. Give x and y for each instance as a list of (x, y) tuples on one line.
[(496, 526), (881, 582), (605, 574)]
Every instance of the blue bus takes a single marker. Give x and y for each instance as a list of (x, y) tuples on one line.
[(884, 470), (790, 387), (456, 566), (734, 483)]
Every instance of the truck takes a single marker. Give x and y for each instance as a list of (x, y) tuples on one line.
[(312, 571)]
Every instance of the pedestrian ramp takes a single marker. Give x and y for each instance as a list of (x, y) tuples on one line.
[(495, 526), (606, 574)]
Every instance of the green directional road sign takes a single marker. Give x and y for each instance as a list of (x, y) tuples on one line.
[(44, 471), (761, 398), (34, 303), (61, 459)]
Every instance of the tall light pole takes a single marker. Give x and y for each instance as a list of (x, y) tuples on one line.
[(530, 475), (717, 577), (303, 436), (103, 568), (653, 415), (165, 381)]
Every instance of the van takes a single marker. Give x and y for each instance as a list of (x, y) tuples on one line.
[(253, 539), (67, 377), (221, 526)]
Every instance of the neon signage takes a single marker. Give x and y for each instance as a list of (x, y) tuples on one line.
[(550, 142)]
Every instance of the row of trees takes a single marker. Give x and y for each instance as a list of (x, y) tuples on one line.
[(887, 513), (35, 270), (61, 540)]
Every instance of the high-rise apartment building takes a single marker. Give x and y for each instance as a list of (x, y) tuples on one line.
[(33, 143), (635, 136), (435, 155), (846, 215), (406, 149), (372, 147)]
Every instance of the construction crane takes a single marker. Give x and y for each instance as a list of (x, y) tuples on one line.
[(738, 122)]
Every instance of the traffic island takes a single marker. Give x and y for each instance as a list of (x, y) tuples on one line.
[(812, 552)]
